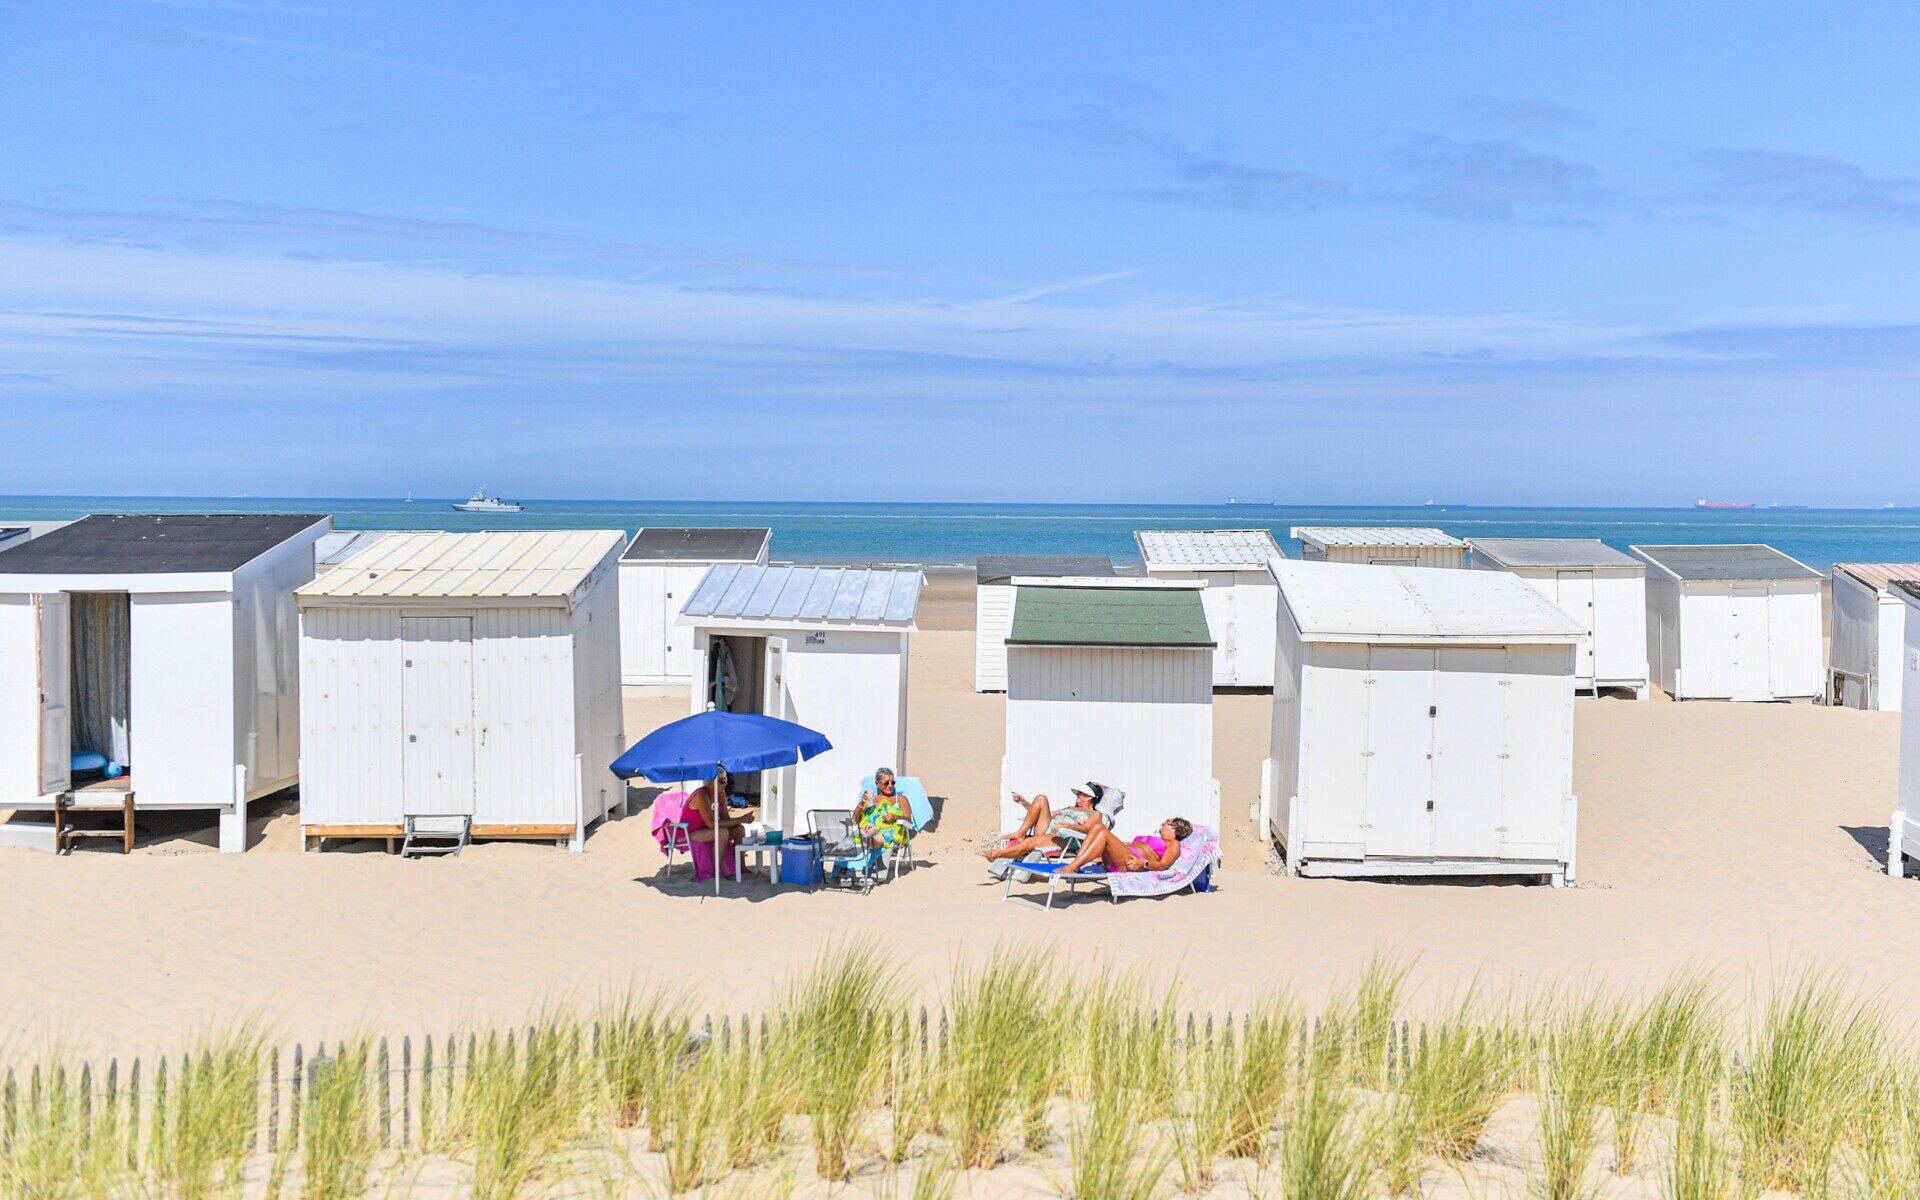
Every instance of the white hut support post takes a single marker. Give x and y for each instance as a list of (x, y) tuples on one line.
[(825, 647), (659, 570), (1380, 545), (182, 628), (1239, 596), (1903, 832), (464, 680), (1112, 681), (1602, 589), (993, 588), (1422, 724), (1732, 623), (1868, 633)]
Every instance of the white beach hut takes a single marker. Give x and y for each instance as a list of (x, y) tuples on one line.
[(14, 535), (1422, 724), (164, 643), (993, 587), (1112, 681), (1732, 623), (1602, 589), (1869, 625), (470, 679), (822, 646), (1903, 833), (1239, 595), (1380, 545), (658, 571)]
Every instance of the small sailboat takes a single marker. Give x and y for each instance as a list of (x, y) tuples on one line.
[(483, 503)]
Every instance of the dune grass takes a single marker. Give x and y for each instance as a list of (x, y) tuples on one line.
[(1818, 1096), (1808, 1076)]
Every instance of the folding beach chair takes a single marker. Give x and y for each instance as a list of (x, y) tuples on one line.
[(844, 861)]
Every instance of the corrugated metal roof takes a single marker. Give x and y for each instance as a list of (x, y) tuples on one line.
[(837, 595), (1374, 535), (338, 546), (1347, 602), (1552, 552), (494, 565), (662, 544), (1108, 616), (1220, 549), (1880, 576), (1005, 568), (155, 544), (1728, 564)]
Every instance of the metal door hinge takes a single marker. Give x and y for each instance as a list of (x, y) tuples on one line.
[(1429, 806), (1433, 710), (1505, 756), (1366, 754)]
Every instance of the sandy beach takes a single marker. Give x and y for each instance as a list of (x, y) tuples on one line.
[(1748, 839)]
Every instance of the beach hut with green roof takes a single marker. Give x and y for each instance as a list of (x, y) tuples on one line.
[(1112, 681)]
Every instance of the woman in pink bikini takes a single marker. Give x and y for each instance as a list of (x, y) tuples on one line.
[(1146, 853)]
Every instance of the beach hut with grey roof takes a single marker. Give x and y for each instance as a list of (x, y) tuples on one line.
[(825, 647), (1112, 681), (1422, 724), (466, 684), (1868, 632), (658, 571), (1737, 622), (1239, 594), (163, 644), (1601, 588)]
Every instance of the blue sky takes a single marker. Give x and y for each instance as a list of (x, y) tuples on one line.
[(1335, 253)]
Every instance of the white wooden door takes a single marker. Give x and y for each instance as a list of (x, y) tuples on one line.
[(1400, 702), (676, 583), (1469, 744), (53, 636), (1223, 623), (776, 787), (1574, 595), (436, 712), (1748, 658)]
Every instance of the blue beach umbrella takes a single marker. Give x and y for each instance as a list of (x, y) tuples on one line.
[(697, 747)]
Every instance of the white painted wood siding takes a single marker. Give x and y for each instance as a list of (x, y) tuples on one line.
[(656, 649), (1497, 721), (1611, 605), (181, 720), (599, 636), (851, 686), (1784, 616), (1390, 556), (992, 619), (1141, 720), (523, 714), (1906, 834), (1855, 648)]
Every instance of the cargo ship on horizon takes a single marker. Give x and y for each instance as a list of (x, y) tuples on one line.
[(1723, 504)]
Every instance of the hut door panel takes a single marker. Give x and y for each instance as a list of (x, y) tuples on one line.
[(1468, 743), (436, 713), (1748, 656), (1575, 598), (776, 786), (1400, 699), (54, 644)]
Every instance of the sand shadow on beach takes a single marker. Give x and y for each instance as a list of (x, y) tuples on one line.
[(1871, 838)]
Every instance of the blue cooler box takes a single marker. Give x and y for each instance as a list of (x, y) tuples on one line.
[(799, 862)]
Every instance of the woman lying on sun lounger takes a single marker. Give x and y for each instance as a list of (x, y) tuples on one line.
[(1148, 853), (1042, 827)]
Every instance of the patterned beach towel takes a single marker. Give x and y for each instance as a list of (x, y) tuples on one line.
[(1198, 852)]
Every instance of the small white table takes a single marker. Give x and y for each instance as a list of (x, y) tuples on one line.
[(770, 851)]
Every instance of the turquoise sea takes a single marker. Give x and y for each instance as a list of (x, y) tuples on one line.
[(957, 533)]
